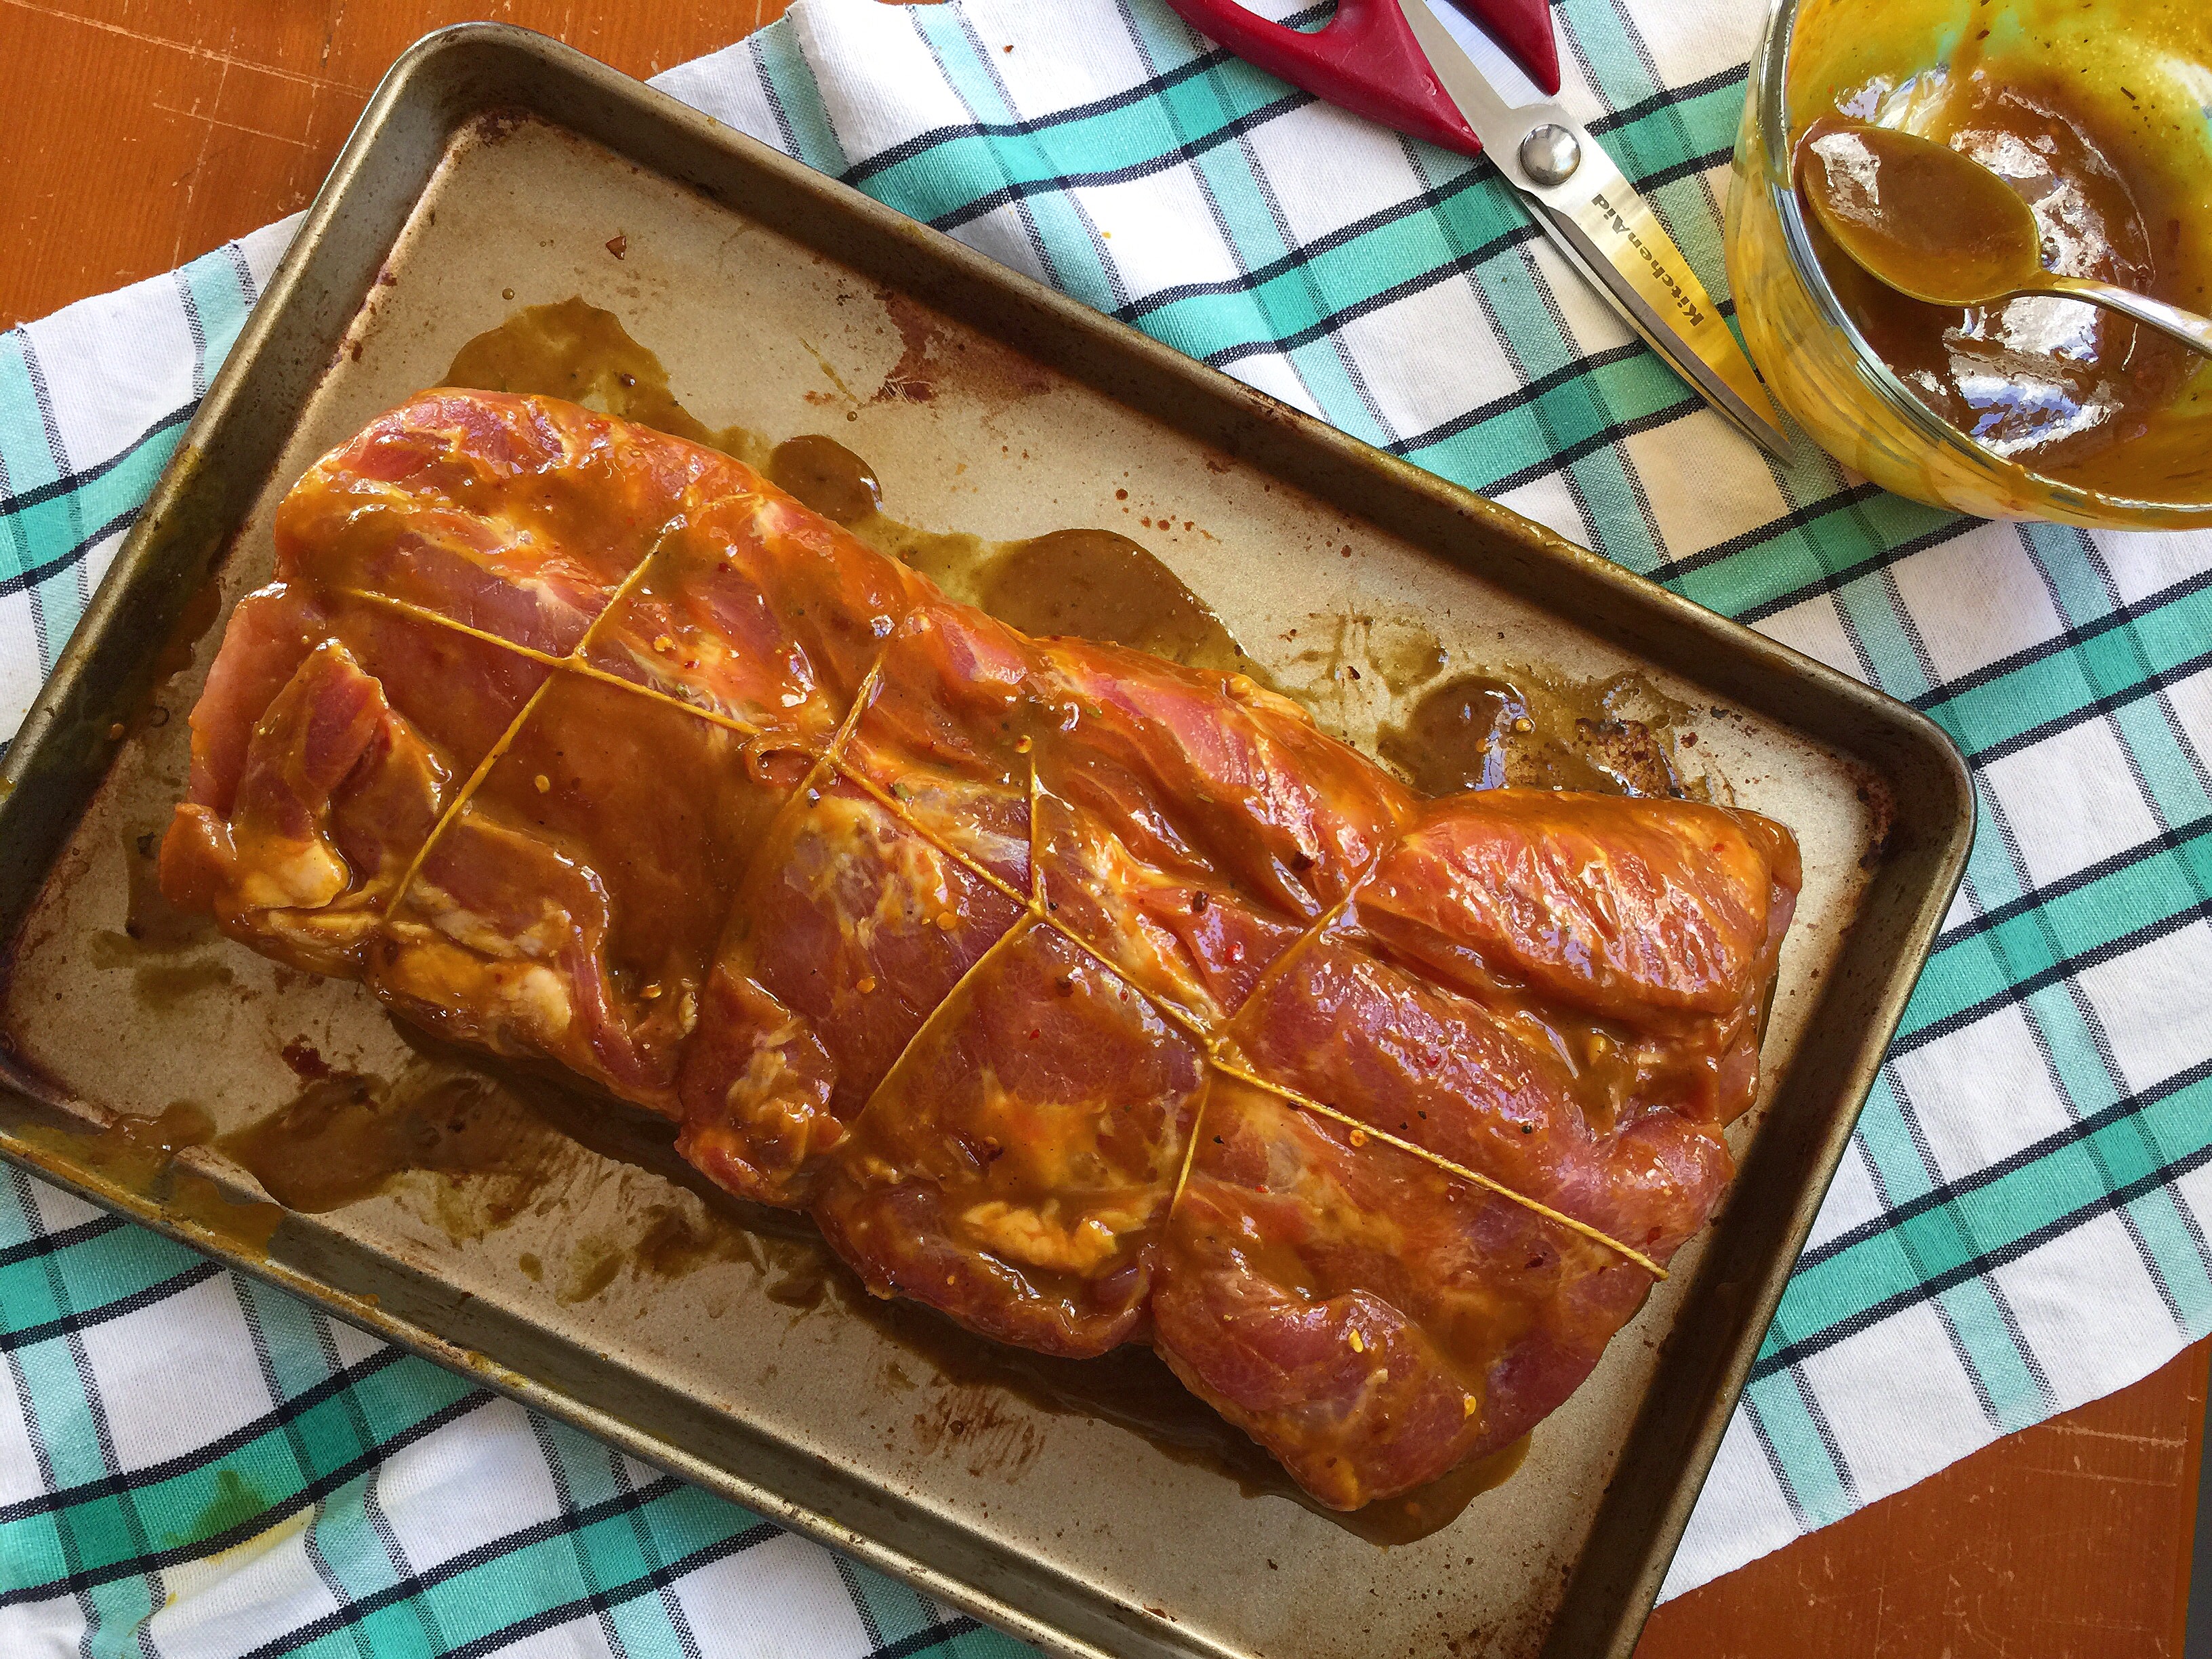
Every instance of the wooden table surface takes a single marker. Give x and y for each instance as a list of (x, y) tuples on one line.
[(135, 134)]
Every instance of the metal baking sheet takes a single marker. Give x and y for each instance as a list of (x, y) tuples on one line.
[(494, 169)]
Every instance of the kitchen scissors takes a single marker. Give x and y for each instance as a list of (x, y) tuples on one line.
[(1394, 62)]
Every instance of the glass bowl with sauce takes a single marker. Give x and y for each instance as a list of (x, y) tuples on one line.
[(2096, 111)]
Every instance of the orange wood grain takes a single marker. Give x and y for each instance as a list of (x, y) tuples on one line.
[(135, 134), (2067, 1540)]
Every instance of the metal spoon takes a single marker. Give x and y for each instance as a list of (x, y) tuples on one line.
[(1941, 226)]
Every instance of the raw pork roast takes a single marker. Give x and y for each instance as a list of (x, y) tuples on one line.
[(1085, 997)]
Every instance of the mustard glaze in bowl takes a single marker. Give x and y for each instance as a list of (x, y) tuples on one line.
[(2101, 112)]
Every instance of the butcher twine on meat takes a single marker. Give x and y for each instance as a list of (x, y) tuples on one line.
[(1083, 997)]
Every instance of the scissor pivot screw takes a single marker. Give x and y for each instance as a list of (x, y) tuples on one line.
[(1549, 155)]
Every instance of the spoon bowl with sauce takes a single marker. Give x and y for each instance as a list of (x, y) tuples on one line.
[(1939, 227)]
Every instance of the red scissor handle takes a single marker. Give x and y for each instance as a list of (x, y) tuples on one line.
[(1523, 28), (1367, 61)]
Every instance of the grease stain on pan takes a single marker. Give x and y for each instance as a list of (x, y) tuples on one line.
[(929, 354), (155, 934), (140, 1156), (346, 1136), (966, 1423), (664, 1241)]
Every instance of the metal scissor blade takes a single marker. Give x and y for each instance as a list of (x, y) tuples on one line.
[(1724, 379), (1610, 233), (1465, 84)]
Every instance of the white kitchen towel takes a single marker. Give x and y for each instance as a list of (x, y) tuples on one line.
[(2016, 1229)]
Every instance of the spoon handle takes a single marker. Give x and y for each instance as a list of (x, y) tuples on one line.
[(2186, 326)]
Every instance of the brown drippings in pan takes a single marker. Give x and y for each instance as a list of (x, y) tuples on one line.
[(140, 1155), (1098, 585), (503, 1141), (200, 615), (136, 1152), (1534, 731), (827, 477), (1485, 727), (1090, 584), (149, 921), (1407, 658), (346, 1136), (582, 353), (674, 1243), (155, 933), (594, 1264)]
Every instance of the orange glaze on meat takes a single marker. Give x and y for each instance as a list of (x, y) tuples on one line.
[(1077, 994)]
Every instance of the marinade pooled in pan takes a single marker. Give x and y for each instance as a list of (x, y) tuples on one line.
[(1086, 998), (1092, 584)]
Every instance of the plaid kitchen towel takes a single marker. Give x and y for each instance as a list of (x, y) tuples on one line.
[(197, 1465)]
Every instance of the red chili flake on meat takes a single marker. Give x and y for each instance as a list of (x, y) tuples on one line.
[(619, 247)]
